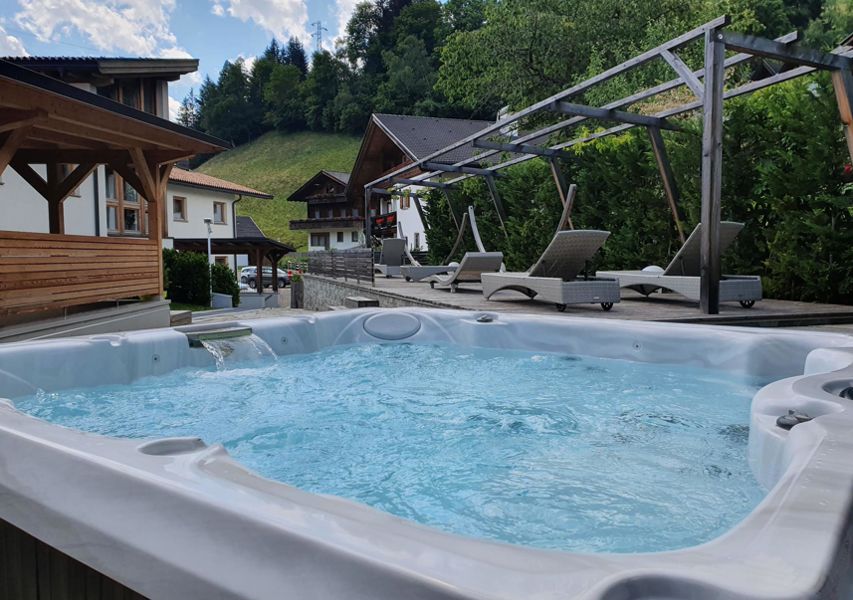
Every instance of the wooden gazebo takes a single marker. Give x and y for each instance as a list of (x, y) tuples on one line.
[(72, 131)]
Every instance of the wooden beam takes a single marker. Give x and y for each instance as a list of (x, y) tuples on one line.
[(55, 209), (368, 221), (10, 145), (29, 175), (450, 208), (712, 172), (496, 200), (11, 118), (842, 82), (421, 182), (445, 168), (562, 190), (71, 181), (610, 114), (417, 201), (670, 188), (144, 172), (758, 46), (519, 148), (687, 76), (129, 175), (565, 217)]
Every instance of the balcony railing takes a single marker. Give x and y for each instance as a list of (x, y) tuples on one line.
[(40, 271)]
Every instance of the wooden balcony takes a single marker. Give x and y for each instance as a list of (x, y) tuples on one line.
[(41, 272), (327, 223)]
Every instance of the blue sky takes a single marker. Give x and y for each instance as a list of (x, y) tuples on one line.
[(211, 30)]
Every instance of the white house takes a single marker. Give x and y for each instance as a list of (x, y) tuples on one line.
[(104, 204), (194, 197)]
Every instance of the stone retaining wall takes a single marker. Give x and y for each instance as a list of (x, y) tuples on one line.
[(323, 292)]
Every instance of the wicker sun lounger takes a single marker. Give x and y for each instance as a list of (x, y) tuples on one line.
[(554, 277), (474, 265), (391, 257), (682, 274)]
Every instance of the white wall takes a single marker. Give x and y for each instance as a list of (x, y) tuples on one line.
[(410, 220), (23, 209), (199, 207), (334, 244)]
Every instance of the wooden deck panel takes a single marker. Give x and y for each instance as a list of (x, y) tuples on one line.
[(46, 271)]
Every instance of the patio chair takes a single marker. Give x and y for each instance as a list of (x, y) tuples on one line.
[(474, 265), (391, 257), (554, 277), (682, 275)]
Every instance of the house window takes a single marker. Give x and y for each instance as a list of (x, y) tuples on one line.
[(221, 260), (355, 212), (405, 202), (125, 209), (131, 220), (179, 208), (417, 240), (316, 213), (320, 240), (219, 212), (340, 237), (354, 237), (112, 218)]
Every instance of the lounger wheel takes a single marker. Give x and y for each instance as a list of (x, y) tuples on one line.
[(606, 306), (408, 278), (561, 307), (747, 303), (432, 284)]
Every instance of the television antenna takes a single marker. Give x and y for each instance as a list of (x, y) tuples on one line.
[(318, 35)]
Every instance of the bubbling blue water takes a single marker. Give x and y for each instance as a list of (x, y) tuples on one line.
[(545, 450)]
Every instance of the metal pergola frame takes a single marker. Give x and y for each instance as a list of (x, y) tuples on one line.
[(706, 84)]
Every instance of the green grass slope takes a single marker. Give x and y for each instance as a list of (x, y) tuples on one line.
[(279, 163)]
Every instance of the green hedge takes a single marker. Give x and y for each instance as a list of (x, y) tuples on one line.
[(186, 277), (225, 282), (784, 153)]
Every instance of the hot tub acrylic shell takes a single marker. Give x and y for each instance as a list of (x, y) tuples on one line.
[(178, 518)]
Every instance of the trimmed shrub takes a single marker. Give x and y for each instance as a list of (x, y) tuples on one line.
[(188, 279), (225, 282)]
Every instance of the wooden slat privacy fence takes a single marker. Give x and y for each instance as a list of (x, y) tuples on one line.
[(344, 264), (45, 271), (32, 570)]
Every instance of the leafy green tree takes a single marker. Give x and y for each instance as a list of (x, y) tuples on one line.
[(423, 19), (320, 90), (465, 15), (411, 78), (188, 113), (296, 56), (283, 97)]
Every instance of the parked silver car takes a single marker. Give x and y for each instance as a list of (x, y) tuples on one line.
[(249, 276)]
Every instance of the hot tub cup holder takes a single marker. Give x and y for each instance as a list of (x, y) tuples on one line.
[(172, 446)]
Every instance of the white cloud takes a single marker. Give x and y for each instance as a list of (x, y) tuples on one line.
[(174, 108), (10, 45), (217, 9), (134, 26), (282, 18), (344, 9)]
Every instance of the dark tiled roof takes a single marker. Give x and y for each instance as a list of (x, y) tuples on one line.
[(196, 179), (421, 136), (342, 177), (247, 228)]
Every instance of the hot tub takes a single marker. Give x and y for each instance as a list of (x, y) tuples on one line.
[(180, 518)]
